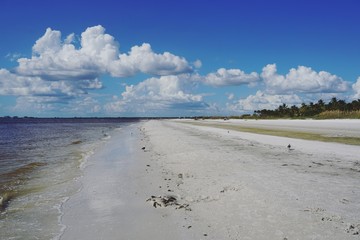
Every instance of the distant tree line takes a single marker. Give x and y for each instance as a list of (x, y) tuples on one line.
[(333, 109)]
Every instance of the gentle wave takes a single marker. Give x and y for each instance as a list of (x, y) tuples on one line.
[(39, 169)]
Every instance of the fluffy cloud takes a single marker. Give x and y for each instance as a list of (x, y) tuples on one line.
[(46, 91), (143, 59), (13, 56), (156, 94), (39, 104), (356, 88), (227, 77), (62, 70), (197, 63), (85, 105), (12, 84), (59, 71), (230, 96), (302, 80), (50, 42), (262, 100), (54, 59)]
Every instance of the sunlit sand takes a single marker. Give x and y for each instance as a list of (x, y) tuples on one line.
[(201, 182)]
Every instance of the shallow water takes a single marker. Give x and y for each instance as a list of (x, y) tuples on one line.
[(40, 163)]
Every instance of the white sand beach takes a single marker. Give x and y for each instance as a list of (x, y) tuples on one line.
[(112, 201), (227, 185)]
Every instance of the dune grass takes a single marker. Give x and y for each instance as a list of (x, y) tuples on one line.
[(339, 115), (283, 133)]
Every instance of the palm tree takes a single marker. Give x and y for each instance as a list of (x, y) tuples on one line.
[(333, 104), (294, 111)]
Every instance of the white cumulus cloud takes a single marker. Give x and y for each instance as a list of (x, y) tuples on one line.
[(143, 59), (49, 42), (356, 88), (230, 96), (263, 100), (59, 70), (302, 80), (34, 104), (154, 94), (54, 59), (197, 63), (12, 84), (228, 77), (36, 87), (64, 69)]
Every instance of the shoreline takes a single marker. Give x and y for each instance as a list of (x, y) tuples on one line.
[(227, 185), (116, 182)]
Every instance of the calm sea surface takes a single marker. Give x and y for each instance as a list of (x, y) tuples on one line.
[(40, 163)]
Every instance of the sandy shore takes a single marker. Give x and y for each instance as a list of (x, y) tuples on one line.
[(227, 185), (112, 201), (331, 127)]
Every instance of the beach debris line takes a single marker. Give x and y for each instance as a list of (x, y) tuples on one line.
[(165, 201)]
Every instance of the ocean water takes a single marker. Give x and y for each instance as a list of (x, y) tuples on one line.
[(41, 161)]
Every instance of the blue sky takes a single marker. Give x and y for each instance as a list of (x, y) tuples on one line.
[(175, 58)]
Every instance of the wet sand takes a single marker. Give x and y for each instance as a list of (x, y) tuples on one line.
[(112, 201), (232, 185)]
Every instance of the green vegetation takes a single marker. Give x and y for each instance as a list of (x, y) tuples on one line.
[(339, 114), (333, 109)]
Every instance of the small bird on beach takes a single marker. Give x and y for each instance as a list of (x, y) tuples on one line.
[(289, 146), (143, 148)]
